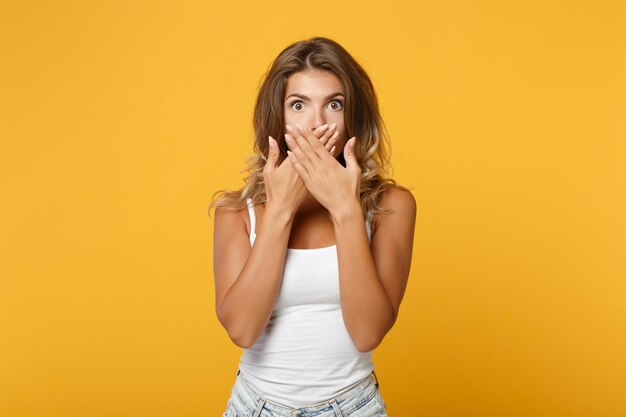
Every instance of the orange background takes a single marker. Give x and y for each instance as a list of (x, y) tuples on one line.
[(119, 119)]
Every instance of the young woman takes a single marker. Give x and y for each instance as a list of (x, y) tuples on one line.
[(312, 255)]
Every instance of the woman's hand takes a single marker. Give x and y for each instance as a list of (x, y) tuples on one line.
[(283, 186), (335, 187)]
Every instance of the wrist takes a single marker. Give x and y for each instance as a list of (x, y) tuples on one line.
[(278, 213), (347, 211)]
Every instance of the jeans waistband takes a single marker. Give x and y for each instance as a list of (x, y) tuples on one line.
[(347, 393)]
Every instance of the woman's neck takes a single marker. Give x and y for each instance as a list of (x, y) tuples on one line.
[(310, 204)]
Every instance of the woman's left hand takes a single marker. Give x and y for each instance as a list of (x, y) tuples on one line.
[(335, 187)]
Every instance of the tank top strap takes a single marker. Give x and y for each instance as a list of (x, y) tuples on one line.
[(252, 220), (368, 225)]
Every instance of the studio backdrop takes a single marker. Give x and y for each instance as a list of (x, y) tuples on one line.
[(120, 119)]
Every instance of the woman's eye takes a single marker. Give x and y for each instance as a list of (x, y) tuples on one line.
[(338, 102), (296, 102), (299, 105)]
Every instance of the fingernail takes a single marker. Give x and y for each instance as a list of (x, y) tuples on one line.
[(288, 138), (323, 128), (289, 128), (334, 136), (300, 128), (334, 125)]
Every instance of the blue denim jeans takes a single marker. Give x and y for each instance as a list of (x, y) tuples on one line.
[(361, 399)]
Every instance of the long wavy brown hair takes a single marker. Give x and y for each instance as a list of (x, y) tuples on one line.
[(361, 117)]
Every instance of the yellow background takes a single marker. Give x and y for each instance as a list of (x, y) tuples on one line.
[(119, 119)]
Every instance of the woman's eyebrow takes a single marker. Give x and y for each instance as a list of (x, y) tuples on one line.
[(303, 97)]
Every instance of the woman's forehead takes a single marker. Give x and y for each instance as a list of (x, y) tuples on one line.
[(313, 83)]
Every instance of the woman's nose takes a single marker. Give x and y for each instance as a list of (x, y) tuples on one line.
[(317, 122), (316, 127)]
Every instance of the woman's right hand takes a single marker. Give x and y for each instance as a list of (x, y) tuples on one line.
[(283, 186)]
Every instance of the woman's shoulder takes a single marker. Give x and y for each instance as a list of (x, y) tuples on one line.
[(233, 216), (240, 214), (399, 201), (396, 196)]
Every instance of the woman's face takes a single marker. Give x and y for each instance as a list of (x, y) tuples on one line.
[(314, 98)]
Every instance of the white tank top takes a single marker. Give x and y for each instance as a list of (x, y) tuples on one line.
[(305, 354)]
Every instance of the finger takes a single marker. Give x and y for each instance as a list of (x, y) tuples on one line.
[(310, 144), (333, 139), (272, 154), (302, 172), (327, 134), (293, 132), (320, 131), (304, 146), (327, 140), (324, 132), (298, 152), (350, 155)]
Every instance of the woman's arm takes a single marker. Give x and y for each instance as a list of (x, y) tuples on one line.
[(247, 280), (373, 278), (371, 281)]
